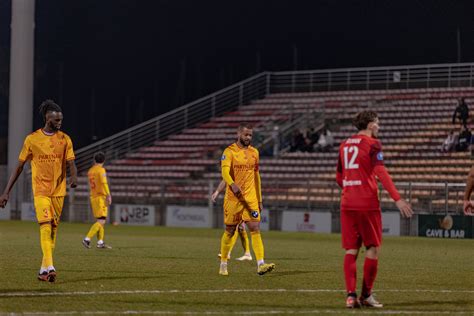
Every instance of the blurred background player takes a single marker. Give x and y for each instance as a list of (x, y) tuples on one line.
[(49, 150), (240, 231), (100, 201), (360, 161), (243, 199), (467, 193)]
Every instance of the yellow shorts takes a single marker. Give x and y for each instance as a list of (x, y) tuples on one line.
[(48, 209), (99, 206), (236, 211)]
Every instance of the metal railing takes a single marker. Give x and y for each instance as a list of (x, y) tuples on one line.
[(367, 78), (260, 85), (175, 121)]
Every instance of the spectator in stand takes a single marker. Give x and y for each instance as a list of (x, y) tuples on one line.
[(297, 141), (464, 139), (461, 112), (449, 142), (313, 136), (325, 141)]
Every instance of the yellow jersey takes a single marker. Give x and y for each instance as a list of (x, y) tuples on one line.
[(243, 163), (48, 155), (98, 181)]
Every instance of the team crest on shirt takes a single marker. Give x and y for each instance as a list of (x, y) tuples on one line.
[(380, 156), (254, 214), (223, 157)]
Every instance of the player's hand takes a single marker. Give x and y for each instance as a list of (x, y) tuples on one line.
[(405, 208), (236, 190), (3, 200), (468, 208), (214, 196), (73, 183), (108, 200)]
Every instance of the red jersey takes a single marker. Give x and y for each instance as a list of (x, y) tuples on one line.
[(358, 157)]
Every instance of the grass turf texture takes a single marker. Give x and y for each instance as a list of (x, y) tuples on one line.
[(414, 274)]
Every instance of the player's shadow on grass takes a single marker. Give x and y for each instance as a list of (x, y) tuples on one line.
[(277, 273)]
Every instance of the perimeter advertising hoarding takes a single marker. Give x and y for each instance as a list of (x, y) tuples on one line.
[(133, 214), (445, 226), (314, 222)]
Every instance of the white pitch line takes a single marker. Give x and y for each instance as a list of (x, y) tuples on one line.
[(220, 291), (268, 312)]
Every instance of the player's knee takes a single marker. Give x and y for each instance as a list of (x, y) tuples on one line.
[(372, 252), (354, 252), (101, 220), (230, 229)]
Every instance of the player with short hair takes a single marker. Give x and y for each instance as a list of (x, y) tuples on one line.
[(49, 150), (100, 201), (240, 231), (243, 198), (360, 161)]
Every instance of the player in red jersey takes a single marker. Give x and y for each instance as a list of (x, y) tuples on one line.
[(360, 161), (468, 207)]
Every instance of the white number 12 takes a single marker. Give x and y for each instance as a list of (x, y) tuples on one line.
[(350, 164)]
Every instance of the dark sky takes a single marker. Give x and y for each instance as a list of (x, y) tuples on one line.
[(126, 56)]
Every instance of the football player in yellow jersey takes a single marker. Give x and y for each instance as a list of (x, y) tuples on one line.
[(243, 198), (100, 201), (49, 150), (240, 231)]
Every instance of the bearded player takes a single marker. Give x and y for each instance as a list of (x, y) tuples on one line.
[(49, 150), (243, 197)]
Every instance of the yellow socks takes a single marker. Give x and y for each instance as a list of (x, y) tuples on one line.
[(101, 233), (46, 244), (257, 245), (94, 230), (54, 234), (244, 239), (226, 245)]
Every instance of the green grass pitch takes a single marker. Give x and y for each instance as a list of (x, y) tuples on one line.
[(168, 271)]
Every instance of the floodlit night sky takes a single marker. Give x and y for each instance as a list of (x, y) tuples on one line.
[(141, 58)]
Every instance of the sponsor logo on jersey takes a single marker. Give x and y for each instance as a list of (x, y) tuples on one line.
[(254, 214), (223, 157), (380, 156)]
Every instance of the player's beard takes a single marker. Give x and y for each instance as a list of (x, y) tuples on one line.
[(244, 142), (54, 128)]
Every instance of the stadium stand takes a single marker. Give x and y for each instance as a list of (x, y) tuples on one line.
[(414, 124)]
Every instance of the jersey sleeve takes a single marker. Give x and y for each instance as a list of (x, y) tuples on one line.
[(257, 163), (103, 180), (226, 159), (376, 154), (69, 149), (226, 163), (26, 152)]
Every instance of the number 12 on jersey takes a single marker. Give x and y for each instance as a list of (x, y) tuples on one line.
[(349, 162)]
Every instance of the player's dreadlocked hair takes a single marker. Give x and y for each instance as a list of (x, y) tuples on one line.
[(99, 157), (48, 106), (362, 119)]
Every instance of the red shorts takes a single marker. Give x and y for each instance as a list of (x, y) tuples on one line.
[(361, 226)]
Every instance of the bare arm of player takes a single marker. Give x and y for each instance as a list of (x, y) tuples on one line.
[(467, 193), (387, 183), (72, 168), (228, 179), (11, 182), (339, 173), (218, 191)]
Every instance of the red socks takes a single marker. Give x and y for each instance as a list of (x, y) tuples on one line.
[(370, 272), (350, 272)]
